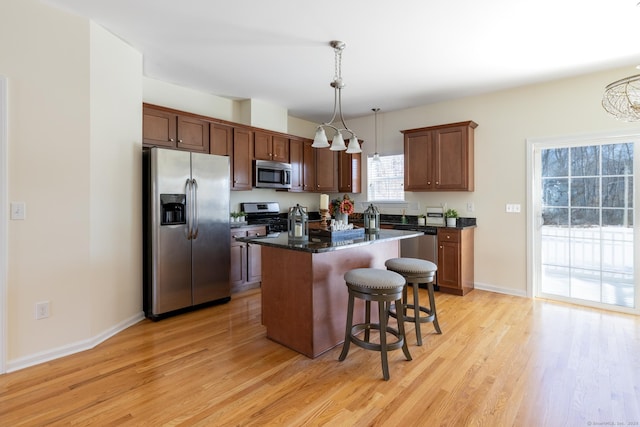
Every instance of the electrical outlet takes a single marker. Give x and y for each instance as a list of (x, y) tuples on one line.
[(513, 208), (470, 207), (42, 310), (18, 210)]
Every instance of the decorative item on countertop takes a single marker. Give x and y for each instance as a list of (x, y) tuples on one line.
[(324, 210), (298, 220), (371, 220), (341, 209), (451, 215), (422, 220)]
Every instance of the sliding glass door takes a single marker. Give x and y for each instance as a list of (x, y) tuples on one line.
[(583, 222)]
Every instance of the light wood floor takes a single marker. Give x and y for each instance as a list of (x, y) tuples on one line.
[(501, 361)]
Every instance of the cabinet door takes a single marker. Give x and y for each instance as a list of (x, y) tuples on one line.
[(418, 158), (237, 273), (242, 148), (297, 164), (349, 169), (309, 169), (449, 265), (158, 128), (280, 149), (451, 158), (193, 134), (254, 256), (221, 139), (262, 146), (326, 171)]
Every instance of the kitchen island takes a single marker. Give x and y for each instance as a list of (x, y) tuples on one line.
[(304, 296)]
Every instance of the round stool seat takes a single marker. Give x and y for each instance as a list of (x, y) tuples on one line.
[(374, 279), (416, 271), (411, 266), (383, 287)]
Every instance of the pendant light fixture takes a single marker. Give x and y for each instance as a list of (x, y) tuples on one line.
[(376, 156), (621, 99), (337, 144)]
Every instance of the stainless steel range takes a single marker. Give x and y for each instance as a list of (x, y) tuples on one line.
[(265, 213)]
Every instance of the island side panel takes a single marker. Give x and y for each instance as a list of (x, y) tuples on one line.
[(330, 295), (286, 298)]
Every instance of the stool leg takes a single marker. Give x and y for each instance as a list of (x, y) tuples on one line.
[(367, 320), (382, 308), (416, 311), (432, 307), (405, 348), (347, 334)]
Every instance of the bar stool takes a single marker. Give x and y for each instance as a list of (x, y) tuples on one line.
[(382, 286), (416, 271)]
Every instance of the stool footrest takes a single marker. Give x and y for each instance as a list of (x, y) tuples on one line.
[(363, 327)]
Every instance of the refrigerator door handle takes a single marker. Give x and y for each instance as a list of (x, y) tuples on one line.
[(196, 218), (187, 190)]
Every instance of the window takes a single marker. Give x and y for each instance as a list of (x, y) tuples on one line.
[(386, 178)]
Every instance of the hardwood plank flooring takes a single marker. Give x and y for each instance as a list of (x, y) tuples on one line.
[(501, 361)]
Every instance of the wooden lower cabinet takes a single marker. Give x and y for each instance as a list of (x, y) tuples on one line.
[(455, 260), (246, 259)]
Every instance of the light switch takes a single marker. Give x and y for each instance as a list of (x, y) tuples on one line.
[(18, 210), (513, 208)]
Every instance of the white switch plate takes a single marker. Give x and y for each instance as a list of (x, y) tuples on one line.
[(18, 210), (42, 310), (513, 208), (470, 207)]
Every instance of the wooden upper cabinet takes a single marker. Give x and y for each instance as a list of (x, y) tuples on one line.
[(326, 170), (296, 158), (193, 134), (271, 147), (221, 139), (309, 167), (349, 172), (159, 128), (241, 159), (171, 130), (439, 158)]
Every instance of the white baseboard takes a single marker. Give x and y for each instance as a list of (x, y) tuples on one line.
[(66, 350), (491, 288)]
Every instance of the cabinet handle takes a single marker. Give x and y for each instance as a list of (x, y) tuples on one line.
[(429, 182), (437, 183), (170, 139), (448, 237), (180, 141)]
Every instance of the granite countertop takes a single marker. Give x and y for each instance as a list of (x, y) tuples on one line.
[(314, 245)]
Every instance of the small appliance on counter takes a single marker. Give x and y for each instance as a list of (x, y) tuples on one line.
[(435, 217)]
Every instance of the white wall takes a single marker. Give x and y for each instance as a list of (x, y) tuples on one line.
[(115, 181), (505, 120), (55, 140)]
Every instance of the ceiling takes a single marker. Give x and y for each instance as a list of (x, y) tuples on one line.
[(399, 54)]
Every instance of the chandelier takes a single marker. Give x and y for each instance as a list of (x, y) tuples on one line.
[(337, 144), (621, 99)]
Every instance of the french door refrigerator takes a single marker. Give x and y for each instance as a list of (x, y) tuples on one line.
[(186, 230)]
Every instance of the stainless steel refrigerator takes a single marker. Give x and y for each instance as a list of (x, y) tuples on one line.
[(186, 230)]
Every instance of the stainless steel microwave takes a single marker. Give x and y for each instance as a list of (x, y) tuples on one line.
[(272, 174)]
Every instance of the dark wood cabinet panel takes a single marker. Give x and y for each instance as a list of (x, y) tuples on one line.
[(270, 147), (159, 128), (193, 134), (241, 162), (246, 259), (221, 139), (171, 130), (326, 171), (349, 172), (297, 164), (440, 158), (309, 167), (455, 260)]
